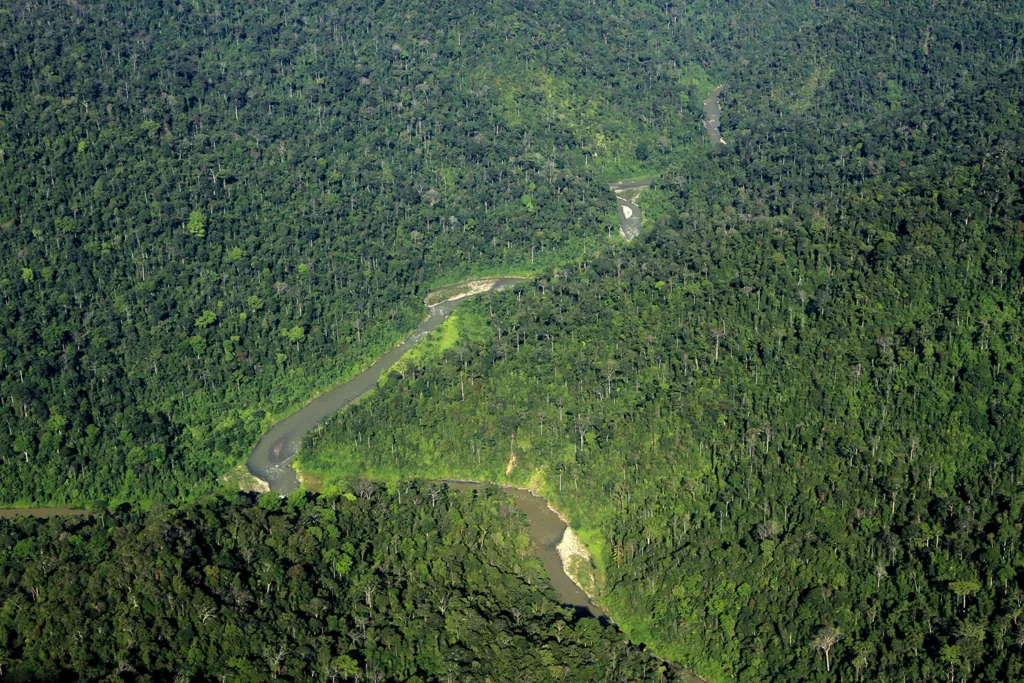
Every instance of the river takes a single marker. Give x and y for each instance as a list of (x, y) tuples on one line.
[(627, 192), (546, 531), (271, 459), (713, 117)]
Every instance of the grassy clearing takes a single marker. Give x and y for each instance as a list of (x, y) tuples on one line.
[(461, 326)]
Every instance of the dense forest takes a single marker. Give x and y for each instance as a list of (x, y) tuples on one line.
[(325, 589), (211, 211), (786, 419), (214, 210), (771, 428), (789, 421)]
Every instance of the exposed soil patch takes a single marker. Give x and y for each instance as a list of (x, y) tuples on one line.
[(576, 561), (245, 480), (465, 289)]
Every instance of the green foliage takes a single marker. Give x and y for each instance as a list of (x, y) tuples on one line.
[(792, 413), (206, 319), (789, 415), (196, 224), (234, 255), (295, 334), (342, 187), (418, 584)]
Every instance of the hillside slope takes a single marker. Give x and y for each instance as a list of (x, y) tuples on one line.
[(789, 421)]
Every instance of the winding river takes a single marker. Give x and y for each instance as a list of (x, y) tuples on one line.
[(271, 459)]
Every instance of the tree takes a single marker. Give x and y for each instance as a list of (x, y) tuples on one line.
[(825, 640), (880, 573), (196, 224), (431, 197), (206, 319), (718, 333), (343, 666), (296, 334), (950, 655), (198, 345), (23, 443), (274, 657), (962, 589)]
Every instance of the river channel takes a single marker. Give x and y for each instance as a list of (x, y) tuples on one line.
[(627, 192), (713, 117), (271, 459), (546, 532)]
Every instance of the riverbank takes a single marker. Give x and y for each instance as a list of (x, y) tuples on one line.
[(561, 552), (270, 460), (244, 480), (467, 289), (573, 568), (627, 193)]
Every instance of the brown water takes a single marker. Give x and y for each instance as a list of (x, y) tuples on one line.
[(713, 116), (271, 459), (8, 513), (546, 530)]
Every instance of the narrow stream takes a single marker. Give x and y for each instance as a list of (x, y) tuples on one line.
[(713, 117), (626, 193)]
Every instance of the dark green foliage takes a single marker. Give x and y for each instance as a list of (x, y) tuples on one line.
[(795, 407), (418, 584), (210, 211)]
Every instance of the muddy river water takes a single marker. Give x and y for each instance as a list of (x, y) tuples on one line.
[(271, 459), (546, 531), (713, 116)]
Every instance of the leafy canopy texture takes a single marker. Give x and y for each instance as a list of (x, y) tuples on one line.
[(786, 418), (415, 585)]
